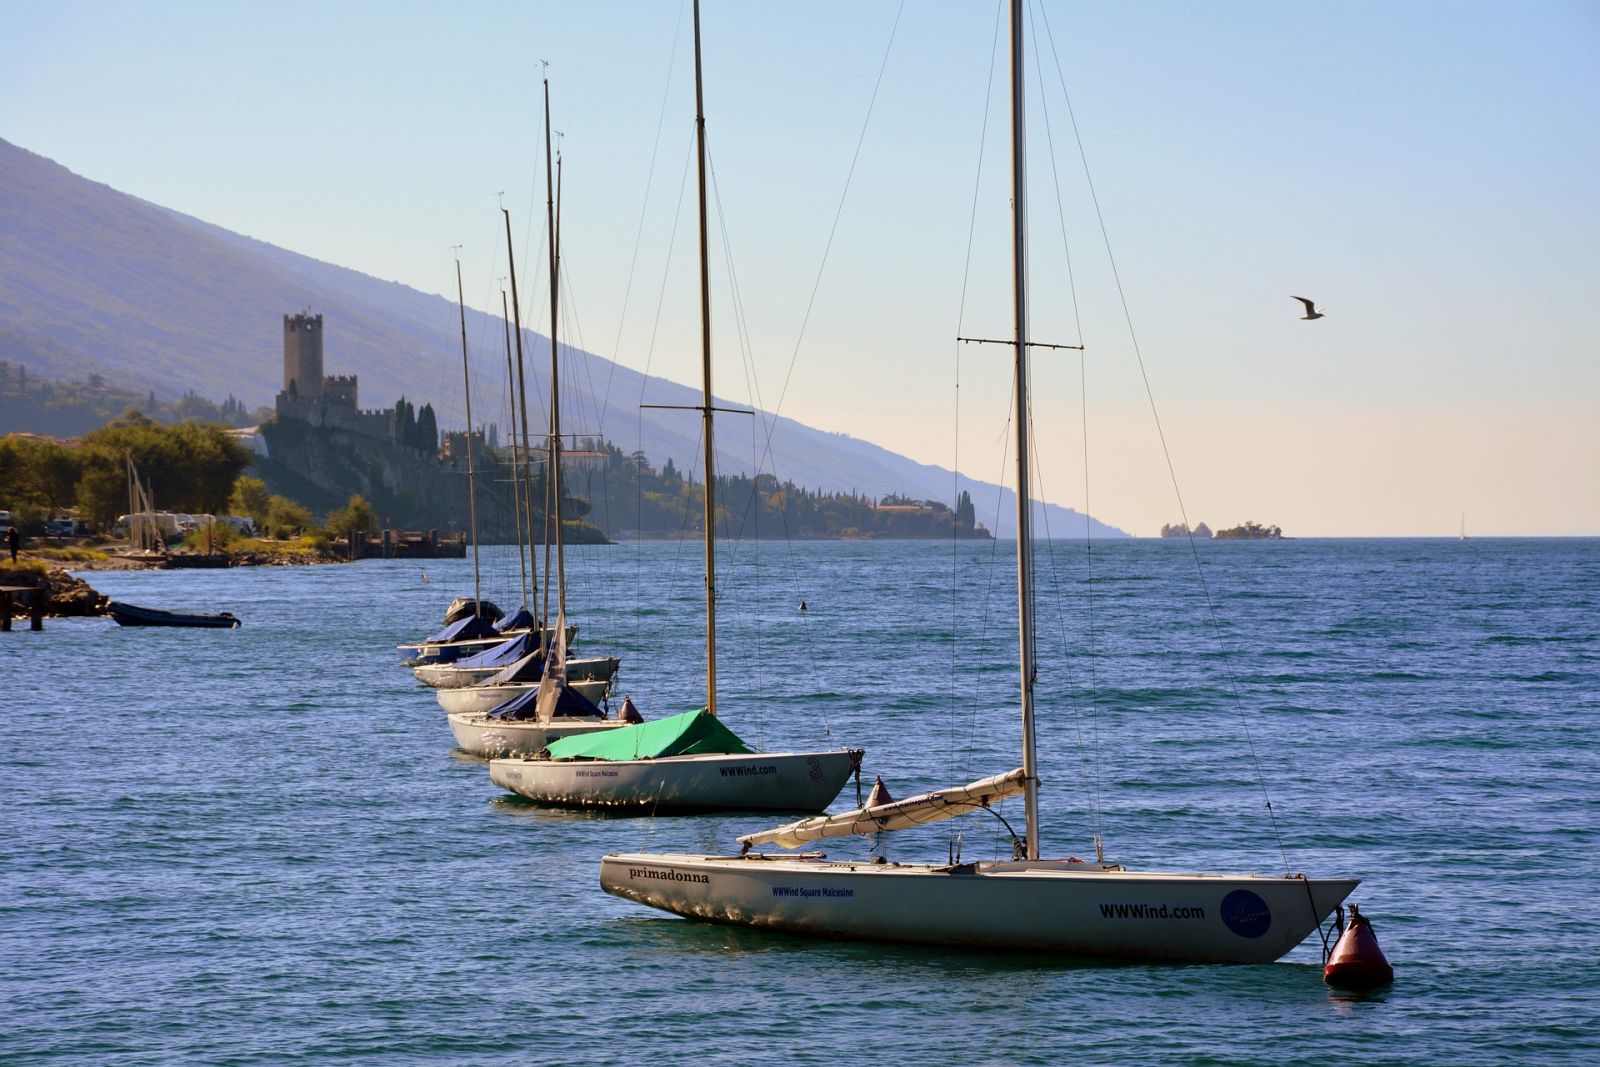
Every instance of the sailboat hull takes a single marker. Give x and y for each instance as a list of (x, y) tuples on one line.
[(424, 653), (781, 781), (478, 735), (451, 677), (1072, 908), (480, 699)]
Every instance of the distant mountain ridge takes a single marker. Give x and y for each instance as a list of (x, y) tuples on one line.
[(94, 280)]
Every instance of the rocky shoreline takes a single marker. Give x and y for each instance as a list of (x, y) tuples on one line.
[(69, 597)]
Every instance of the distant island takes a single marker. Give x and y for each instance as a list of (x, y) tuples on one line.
[(1251, 531), (1247, 531)]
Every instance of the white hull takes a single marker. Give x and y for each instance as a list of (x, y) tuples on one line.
[(478, 699), (465, 648), (1079, 909), (452, 677), (491, 739), (454, 650), (478, 644), (783, 781)]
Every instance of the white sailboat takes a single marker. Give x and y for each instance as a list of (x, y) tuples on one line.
[(1070, 906), (477, 630), (684, 762), (508, 685), (513, 652), (545, 696)]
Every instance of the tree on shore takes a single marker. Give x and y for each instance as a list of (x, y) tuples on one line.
[(286, 519), (250, 498), (38, 476), (189, 467), (355, 517)]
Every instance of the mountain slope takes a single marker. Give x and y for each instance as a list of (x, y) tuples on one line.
[(92, 279)]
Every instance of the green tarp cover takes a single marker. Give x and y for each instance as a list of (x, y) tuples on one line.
[(693, 733)]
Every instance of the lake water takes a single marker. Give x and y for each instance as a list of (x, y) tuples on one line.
[(257, 845)]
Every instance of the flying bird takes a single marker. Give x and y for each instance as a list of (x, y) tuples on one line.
[(1311, 309)]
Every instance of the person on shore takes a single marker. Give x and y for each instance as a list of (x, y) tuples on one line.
[(13, 541)]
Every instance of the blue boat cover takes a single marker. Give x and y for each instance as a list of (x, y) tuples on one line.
[(466, 629), (524, 707), (521, 619), (503, 653), (529, 668)]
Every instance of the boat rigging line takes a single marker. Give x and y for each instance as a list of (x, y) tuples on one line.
[(516, 464), (472, 476), (1133, 338), (522, 394), (956, 644)]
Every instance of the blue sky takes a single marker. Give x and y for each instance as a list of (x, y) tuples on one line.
[(1426, 170)]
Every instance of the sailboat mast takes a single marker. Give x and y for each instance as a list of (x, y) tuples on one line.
[(135, 535), (522, 391), (516, 473), (1019, 230), (705, 379), (472, 475), (553, 452)]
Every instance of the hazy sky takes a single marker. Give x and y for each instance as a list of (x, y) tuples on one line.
[(1426, 170)]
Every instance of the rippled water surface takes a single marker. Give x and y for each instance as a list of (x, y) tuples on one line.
[(257, 845)]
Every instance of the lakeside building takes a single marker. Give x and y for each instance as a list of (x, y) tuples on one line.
[(333, 400), (323, 399)]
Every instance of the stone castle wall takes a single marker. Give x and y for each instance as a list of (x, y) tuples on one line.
[(340, 389), (378, 422), (323, 400)]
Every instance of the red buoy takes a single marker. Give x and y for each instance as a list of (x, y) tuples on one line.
[(1357, 962)]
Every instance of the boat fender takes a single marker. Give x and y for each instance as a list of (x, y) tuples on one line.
[(1357, 962)]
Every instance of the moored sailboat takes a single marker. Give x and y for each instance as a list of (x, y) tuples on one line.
[(518, 726), (480, 668), (691, 761), (1069, 906), (472, 625)]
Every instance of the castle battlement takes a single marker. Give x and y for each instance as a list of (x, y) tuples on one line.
[(317, 398), (331, 400)]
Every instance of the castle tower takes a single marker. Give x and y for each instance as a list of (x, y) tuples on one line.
[(302, 356)]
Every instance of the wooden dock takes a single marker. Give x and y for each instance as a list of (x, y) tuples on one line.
[(401, 544), (38, 599)]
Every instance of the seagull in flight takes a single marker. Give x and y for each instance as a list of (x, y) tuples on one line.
[(1311, 308)]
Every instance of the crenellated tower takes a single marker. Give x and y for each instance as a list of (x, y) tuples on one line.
[(302, 356)]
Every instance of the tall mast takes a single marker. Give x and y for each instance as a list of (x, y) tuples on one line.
[(553, 473), (472, 476), (705, 378), (522, 391), (516, 473), (1019, 240)]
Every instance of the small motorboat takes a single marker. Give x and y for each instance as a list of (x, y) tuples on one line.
[(134, 615)]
